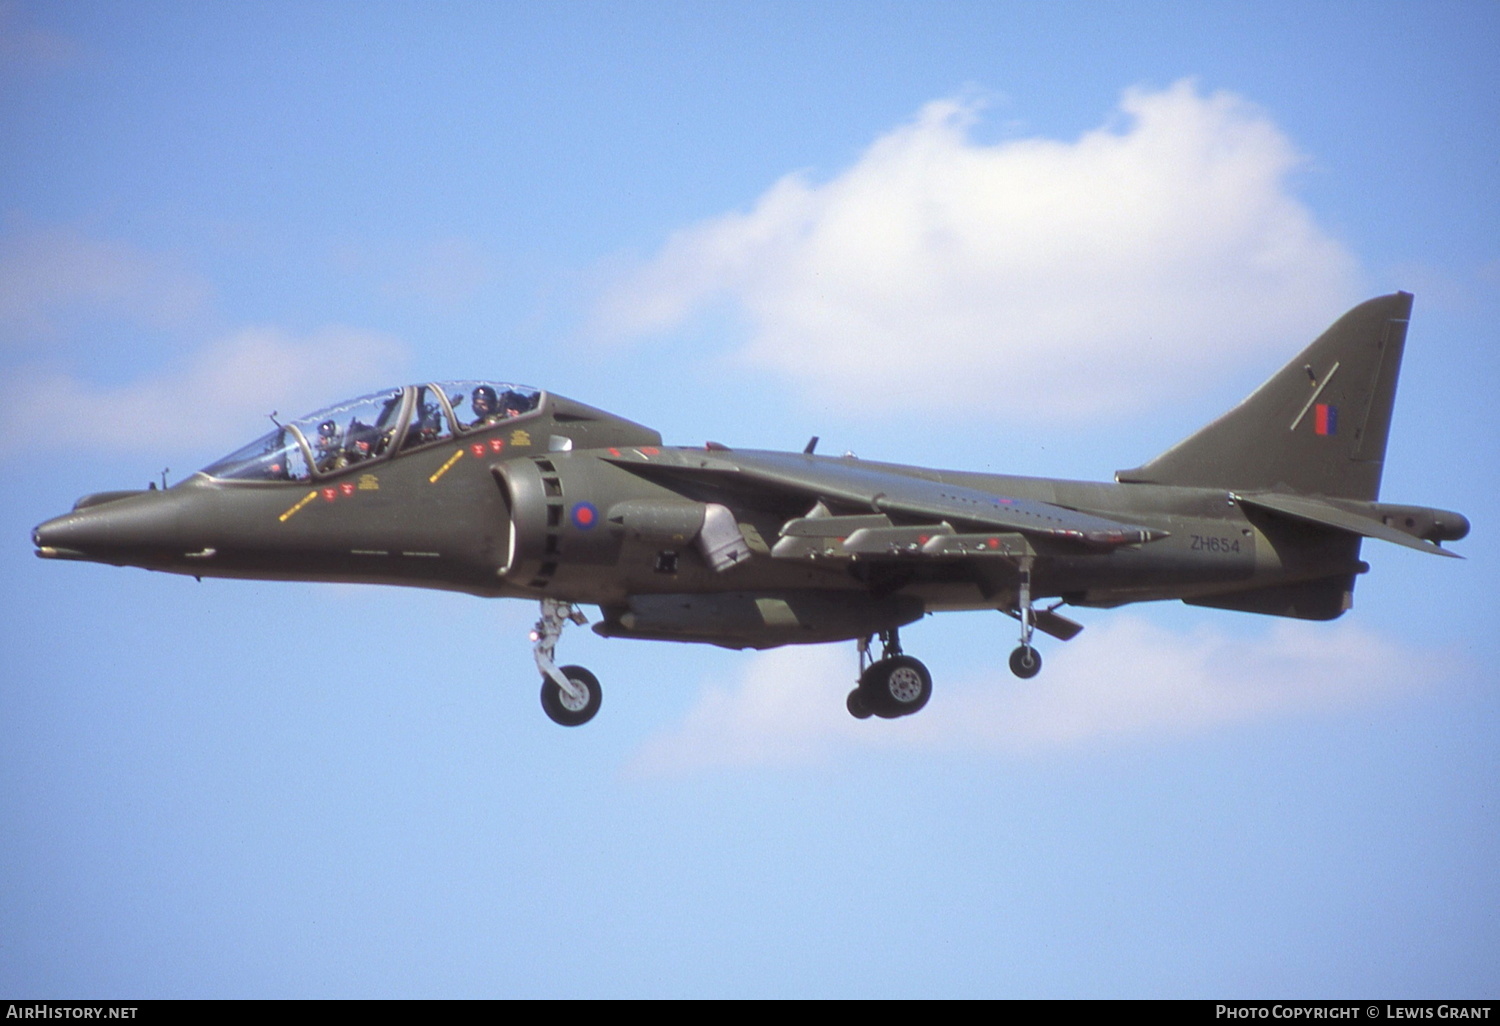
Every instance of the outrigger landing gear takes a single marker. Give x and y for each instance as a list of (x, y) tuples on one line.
[(1025, 661), (895, 685), (570, 694)]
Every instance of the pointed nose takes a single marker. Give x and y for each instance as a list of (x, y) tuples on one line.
[(139, 529)]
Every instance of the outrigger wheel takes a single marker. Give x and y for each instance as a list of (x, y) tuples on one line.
[(1025, 662)]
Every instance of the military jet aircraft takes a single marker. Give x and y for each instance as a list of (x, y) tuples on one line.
[(502, 490)]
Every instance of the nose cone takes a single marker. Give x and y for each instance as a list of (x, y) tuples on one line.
[(141, 529)]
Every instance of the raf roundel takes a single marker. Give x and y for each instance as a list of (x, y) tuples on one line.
[(585, 515)]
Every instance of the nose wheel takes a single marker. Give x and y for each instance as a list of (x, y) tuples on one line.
[(577, 706), (570, 694), (892, 686)]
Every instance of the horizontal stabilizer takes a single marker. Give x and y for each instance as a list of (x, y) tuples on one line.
[(1318, 512)]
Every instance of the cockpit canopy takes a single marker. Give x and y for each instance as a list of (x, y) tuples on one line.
[(374, 427)]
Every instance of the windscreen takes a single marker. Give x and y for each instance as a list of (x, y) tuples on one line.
[(278, 456), (334, 437)]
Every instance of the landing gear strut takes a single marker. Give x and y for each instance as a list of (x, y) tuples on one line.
[(1025, 661), (895, 685), (570, 694)]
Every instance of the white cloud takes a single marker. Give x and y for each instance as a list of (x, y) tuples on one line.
[(218, 397), (1115, 267), (51, 275), (1126, 679)]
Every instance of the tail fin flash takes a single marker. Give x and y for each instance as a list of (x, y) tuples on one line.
[(1318, 427)]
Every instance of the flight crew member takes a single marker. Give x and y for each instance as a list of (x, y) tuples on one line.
[(330, 456), (486, 406), (513, 404)]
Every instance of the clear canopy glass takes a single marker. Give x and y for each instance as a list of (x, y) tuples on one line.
[(278, 456), (373, 427), (477, 404)]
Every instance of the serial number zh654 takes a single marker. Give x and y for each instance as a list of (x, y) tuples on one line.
[(1209, 543)]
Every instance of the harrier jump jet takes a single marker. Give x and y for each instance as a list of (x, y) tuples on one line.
[(502, 490)]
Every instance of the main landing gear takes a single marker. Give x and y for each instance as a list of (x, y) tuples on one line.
[(895, 685), (570, 694)]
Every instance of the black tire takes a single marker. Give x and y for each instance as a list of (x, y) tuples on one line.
[(894, 687), (560, 709), (857, 706), (1025, 662)]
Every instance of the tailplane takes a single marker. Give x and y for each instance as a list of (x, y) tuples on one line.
[(1318, 427)]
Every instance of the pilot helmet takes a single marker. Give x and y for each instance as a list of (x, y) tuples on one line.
[(327, 429)]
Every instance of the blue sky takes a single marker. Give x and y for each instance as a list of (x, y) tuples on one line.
[(1028, 238)]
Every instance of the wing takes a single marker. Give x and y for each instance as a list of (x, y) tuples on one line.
[(900, 511)]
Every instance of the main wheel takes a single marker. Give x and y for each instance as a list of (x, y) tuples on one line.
[(898, 686), (1025, 662), (564, 708), (857, 706)]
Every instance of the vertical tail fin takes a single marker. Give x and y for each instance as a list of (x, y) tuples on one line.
[(1318, 427)]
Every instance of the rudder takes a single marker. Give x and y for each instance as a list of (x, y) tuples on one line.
[(1317, 427)]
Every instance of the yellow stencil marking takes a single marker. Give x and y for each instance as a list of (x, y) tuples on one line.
[(309, 497), (444, 468), (520, 437), (369, 483)]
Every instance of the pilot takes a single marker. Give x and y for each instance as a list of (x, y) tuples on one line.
[(486, 406), (514, 403), (365, 442), (330, 454), (427, 426)]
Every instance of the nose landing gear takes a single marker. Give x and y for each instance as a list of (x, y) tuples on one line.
[(575, 707), (570, 694)]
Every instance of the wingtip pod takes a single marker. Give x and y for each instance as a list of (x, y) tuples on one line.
[(1317, 427), (1447, 526)]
